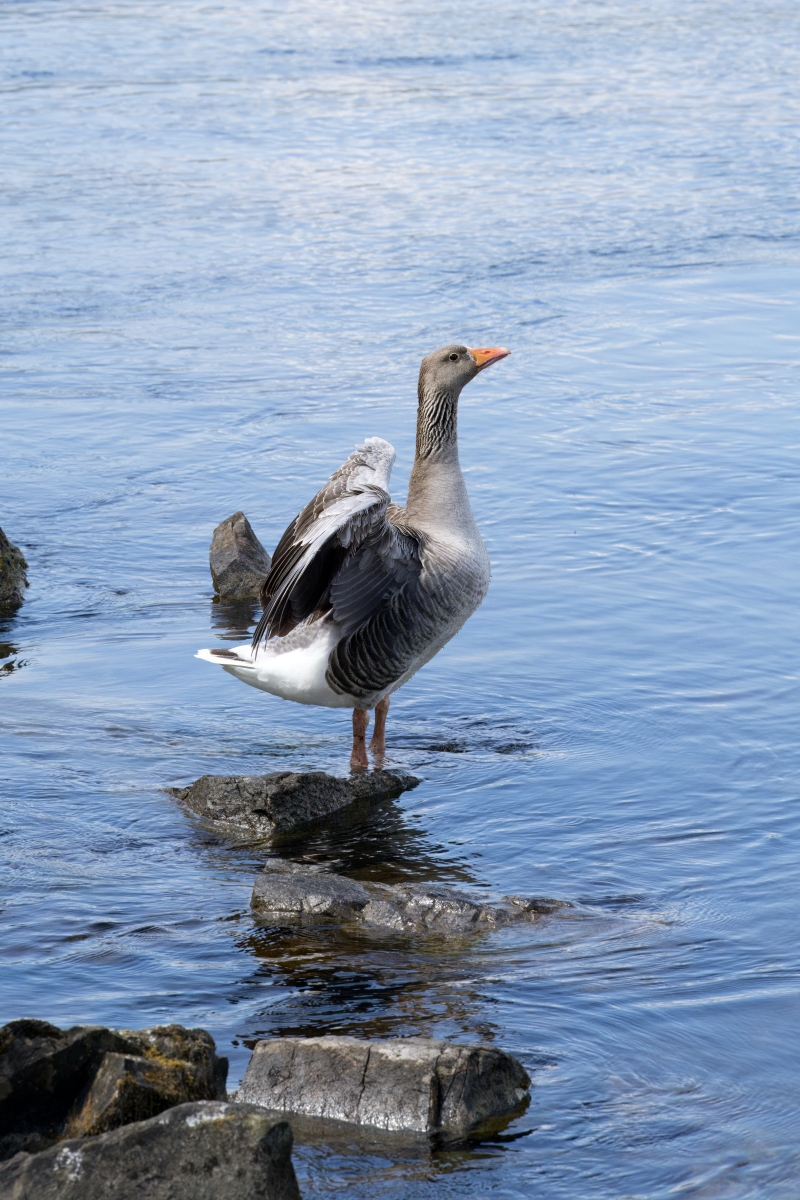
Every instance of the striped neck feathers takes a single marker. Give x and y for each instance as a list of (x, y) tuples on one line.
[(437, 421)]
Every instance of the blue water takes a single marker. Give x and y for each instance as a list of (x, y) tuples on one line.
[(229, 233)]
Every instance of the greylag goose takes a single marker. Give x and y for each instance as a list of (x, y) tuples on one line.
[(362, 593)]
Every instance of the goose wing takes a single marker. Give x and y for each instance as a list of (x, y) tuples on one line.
[(340, 554)]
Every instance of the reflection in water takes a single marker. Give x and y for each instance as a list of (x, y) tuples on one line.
[(9, 660), (234, 622), (333, 1149), (334, 980), (375, 841), (345, 984)]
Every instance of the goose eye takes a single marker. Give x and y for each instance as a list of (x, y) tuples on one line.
[(453, 358)]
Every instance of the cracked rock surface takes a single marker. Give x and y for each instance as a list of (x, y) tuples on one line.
[(239, 563), (202, 1151), (293, 890), (273, 804), (417, 1084)]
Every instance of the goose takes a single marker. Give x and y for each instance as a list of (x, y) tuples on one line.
[(361, 593)]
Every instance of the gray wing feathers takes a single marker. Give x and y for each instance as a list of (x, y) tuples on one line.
[(382, 649), (339, 552), (368, 577)]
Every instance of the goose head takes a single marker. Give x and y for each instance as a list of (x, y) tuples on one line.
[(448, 370)]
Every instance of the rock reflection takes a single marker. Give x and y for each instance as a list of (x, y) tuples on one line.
[(375, 841), (342, 981), (234, 622), (325, 1148), (344, 984), (9, 652)]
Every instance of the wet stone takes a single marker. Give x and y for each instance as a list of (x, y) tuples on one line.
[(415, 1084), (13, 580), (239, 563), (285, 890), (201, 1151), (89, 1079), (307, 893), (272, 804)]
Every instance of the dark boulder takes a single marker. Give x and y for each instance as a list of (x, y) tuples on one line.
[(399, 1084), (273, 804), (89, 1078), (175, 1065), (13, 580), (239, 563), (204, 1151), (291, 890)]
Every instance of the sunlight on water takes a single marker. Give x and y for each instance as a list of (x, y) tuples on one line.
[(230, 233)]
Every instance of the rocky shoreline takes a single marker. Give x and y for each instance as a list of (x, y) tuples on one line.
[(95, 1112)]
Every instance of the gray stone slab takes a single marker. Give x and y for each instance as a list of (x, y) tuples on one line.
[(203, 1151), (273, 804), (415, 1084), (285, 890)]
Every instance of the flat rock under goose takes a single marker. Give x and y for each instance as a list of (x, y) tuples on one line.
[(272, 804)]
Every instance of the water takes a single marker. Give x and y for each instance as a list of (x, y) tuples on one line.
[(229, 234)]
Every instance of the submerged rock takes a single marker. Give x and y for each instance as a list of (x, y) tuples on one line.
[(239, 563), (399, 1084), (13, 580), (272, 804), (203, 1151), (292, 890), (89, 1079)]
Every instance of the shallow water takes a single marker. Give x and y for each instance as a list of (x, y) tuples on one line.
[(229, 234)]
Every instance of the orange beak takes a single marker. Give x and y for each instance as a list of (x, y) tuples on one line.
[(485, 358)]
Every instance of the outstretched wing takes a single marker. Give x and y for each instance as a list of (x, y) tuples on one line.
[(340, 553)]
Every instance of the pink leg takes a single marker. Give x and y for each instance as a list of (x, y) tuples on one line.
[(378, 743), (358, 759)]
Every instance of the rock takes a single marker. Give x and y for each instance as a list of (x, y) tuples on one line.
[(178, 1065), (286, 889), (13, 580), (405, 1083), (90, 1078), (239, 563), (272, 804), (299, 893), (202, 1151)]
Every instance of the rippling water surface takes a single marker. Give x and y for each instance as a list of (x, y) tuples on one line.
[(229, 233)]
